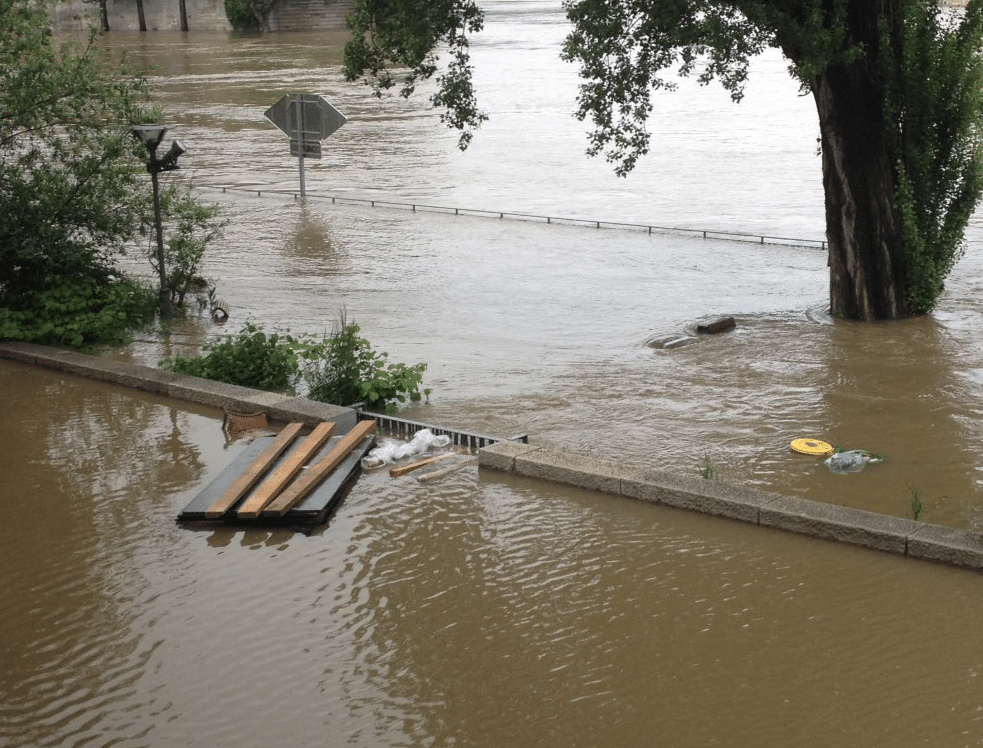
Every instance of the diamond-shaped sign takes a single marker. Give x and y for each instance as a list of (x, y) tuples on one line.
[(305, 117)]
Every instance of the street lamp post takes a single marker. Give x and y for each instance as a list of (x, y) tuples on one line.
[(151, 136)]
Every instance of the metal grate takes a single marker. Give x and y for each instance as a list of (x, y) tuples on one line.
[(402, 426)]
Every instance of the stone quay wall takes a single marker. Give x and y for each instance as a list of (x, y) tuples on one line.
[(203, 15)]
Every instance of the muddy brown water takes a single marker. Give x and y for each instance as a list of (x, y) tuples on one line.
[(484, 609), (477, 610)]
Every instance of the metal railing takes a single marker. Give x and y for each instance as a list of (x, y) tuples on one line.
[(736, 236)]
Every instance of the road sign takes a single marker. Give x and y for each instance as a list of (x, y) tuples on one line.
[(306, 113), (311, 148), (307, 119)]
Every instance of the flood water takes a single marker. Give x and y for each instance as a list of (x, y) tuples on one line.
[(482, 609)]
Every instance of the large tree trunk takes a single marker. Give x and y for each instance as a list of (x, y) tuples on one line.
[(867, 273), (863, 228), (140, 16)]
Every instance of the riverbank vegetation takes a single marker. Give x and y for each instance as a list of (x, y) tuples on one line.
[(898, 88), (74, 193), (340, 368)]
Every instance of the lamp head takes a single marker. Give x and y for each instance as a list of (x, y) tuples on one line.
[(149, 135), (169, 160)]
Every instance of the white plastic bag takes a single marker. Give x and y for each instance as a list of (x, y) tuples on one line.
[(852, 461), (391, 450)]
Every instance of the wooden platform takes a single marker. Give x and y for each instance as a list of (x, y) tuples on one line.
[(284, 480)]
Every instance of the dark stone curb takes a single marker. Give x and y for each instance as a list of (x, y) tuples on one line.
[(811, 518), (814, 519)]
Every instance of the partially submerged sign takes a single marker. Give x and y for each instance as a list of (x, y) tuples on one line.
[(306, 119)]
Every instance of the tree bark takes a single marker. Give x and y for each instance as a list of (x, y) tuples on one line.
[(863, 228), (867, 274), (140, 16)]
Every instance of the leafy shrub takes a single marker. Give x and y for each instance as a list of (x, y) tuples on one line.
[(248, 15), (193, 226), (344, 369), (251, 359), (80, 312)]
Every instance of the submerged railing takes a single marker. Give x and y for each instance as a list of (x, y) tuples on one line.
[(734, 236)]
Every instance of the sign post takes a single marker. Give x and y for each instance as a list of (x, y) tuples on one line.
[(307, 119)]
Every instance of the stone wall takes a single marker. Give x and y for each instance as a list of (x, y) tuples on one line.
[(160, 15), (310, 15), (203, 15)]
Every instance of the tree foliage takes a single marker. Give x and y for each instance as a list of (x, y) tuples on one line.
[(934, 106), (74, 193), (69, 192), (407, 35), (913, 66)]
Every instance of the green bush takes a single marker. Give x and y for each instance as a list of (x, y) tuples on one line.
[(251, 359), (344, 370), (341, 368), (80, 312), (249, 15), (193, 226)]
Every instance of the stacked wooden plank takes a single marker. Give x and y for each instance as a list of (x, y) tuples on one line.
[(284, 479)]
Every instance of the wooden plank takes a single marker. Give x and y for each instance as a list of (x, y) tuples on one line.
[(321, 500), (314, 474), (254, 472), (195, 509), (434, 474), (404, 469), (285, 472)]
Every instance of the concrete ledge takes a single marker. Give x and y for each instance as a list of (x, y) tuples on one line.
[(946, 545), (695, 494), (278, 407), (569, 469), (844, 524), (815, 519), (310, 412), (501, 455)]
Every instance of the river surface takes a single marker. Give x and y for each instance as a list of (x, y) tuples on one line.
[(482, 609)]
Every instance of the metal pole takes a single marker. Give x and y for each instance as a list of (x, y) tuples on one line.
[(301, 141), (165, 293)]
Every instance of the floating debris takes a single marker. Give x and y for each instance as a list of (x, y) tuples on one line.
[(725, 324), (814, 447), (851, 461)]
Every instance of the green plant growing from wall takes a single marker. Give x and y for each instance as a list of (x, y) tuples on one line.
[(249, 15)]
